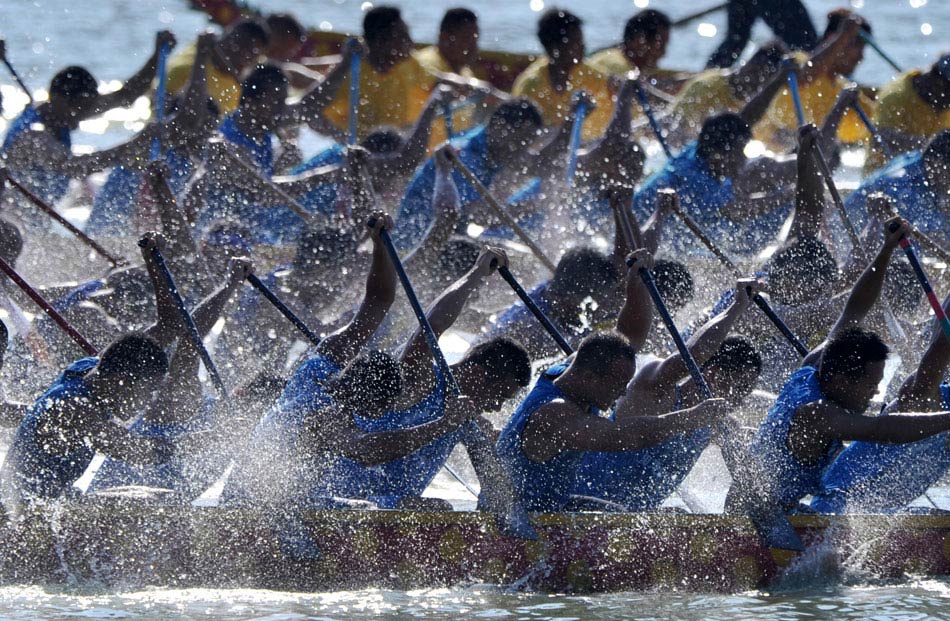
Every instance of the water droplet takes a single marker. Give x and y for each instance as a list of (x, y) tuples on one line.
[(706, 29), (926, 29), (536, 5)]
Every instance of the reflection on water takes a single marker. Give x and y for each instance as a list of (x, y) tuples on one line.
[(919, 600)]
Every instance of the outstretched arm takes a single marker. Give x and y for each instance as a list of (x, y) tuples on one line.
[(754, 109), (138, 84), (809, 191), (834, 422), (322, 94), (446, 205), (636, 316)]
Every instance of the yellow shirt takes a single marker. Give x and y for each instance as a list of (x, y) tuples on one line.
[(535, 84), (901, 109), (818, 97), (223, 88), (462, 119), (394, 98), (706, 94)]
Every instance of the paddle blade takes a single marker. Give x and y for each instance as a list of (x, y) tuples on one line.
[(776, 531), (515, 523)]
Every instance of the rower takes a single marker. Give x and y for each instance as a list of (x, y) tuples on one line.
[(788, 20), (285, 37), (489, 374), (641, 480), (550, 82), (645, 38), (917, 182), (236, 51), (393, 85), (544, 441), (910, 110), (822, 403)]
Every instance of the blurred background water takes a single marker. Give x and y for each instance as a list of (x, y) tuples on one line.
[(113, 37)]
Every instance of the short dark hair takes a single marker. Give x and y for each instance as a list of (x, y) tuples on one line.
[(598, 351), (74, 82), (263, 79), (937, 151), (248, 30), (382, 140), (674, 282), (325, 246), (648, 22), (721, 131), (11, 240), (457, 18), (136, 356), (458, 256), (502, 358), (373, 376), (584, 270), (516, 112), (378, 21), (807, 264), (554, 25), (285, 23), (836, 19), (736, 354), (849, 352), (770, 53)]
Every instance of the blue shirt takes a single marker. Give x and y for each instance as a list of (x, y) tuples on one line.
[(876, 477), (48, 185), (324, 198)]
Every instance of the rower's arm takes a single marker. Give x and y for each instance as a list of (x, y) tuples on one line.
[(551, 156), (416, 145), (447, 209), (924, 383), (618, 129), (754, 109), (138, 84), (342, 346), (821, 60), (636, 316), (175, 224), (809, 189), (323, 93), (896, 428)]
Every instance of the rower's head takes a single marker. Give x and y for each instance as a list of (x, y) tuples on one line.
[(852, 367), (458, 36), (264, 96), (493, 372), (618, 166), (936, 158), (369, 385), (581, 273), (73, 94), (852, 54), (456, 259), (386, 34), (243, 43), (285, 37), (761, 66), (512, 128), (733, 370), (674, 282), (387, 168), (223, 240), (722, 143), (645, 37), (561, 36), (802, 272), (128, 294), (938, 85), (604, 363), (11, 241), (129, 370)]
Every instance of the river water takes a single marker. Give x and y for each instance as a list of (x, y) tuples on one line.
[(113, 37)]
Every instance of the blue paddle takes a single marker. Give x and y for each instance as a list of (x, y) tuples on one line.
[(648, 111), (284, 310), (875, 135), (354, 97), (160, 71), (877, 48), (575, 144), (509, 278), (796, 97)]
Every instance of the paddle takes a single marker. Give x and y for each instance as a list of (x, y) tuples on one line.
[(575, 143), (516, 522), (792, 78), (759, 301), (47, 308), (825, 171), (875, 135), (189, 322), (648, 111), (866, 36), (768, 519), (354, 96), (699, 14), (509, 278), (924, 283), (447, 116), (16, 76), (52, 213), (284, 310), (156, 151), (500, 211)]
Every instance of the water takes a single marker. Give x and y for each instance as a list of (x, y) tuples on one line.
[(113, 37)]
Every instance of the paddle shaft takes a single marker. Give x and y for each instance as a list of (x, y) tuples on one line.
[(877, 48), (47, 308), (648, 111), (52, 213), (825, 171), (875, 135), (759, 301), (354, 98), (16, 77), (575, 142), (284, 310), (509, 278), (156, 150), (792, 78), (291, 202), (189, 322), (925, 285), (699, 14), (501, 213), (447, 116)]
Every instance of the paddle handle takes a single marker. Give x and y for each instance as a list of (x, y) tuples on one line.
[(66, 224), (509, 278), (189, 322), (500, 211), (575, 142), (47, 308), (284, 310), (354, 97), (877, 48), (651, 118), (925, 285), (792, 78)]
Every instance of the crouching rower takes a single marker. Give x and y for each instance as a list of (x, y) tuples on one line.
[(544, 442)]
